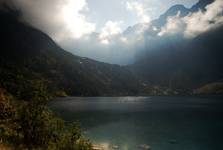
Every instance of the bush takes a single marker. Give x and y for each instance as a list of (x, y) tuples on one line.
[(8, 119), (34, 126)]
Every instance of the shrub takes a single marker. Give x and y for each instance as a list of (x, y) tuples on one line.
[(34, 126)]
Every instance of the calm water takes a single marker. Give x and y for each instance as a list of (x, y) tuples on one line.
[(164, 123)]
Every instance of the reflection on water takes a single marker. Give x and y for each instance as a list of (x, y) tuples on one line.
[(164, 123)]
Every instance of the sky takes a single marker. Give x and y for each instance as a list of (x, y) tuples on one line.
[(128, 11), (98, 28)]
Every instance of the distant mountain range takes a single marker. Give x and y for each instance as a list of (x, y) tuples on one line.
[(29, 59), (181, 63), (172, 11)]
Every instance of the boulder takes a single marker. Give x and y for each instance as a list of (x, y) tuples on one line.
[(145, 147)]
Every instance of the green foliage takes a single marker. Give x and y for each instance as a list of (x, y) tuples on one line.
[(8, 119), (36, 122), (23, 86), (60, 94), (34, 126), (215, 88)]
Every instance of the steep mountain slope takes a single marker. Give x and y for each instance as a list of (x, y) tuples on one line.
[(172, 11), (29, 58), (180, 63), (186, 64), (30, 61)]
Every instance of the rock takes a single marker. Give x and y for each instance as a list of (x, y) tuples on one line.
[(145, 147), (97, 147), (115, 147)]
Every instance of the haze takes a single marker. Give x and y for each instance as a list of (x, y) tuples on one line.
[(100, 29)]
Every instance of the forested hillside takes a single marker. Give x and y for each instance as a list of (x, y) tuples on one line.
[(30, 59)]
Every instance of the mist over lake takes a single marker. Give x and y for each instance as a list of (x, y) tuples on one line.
[(164, 123)]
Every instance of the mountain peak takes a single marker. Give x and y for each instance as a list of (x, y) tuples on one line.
[(201, 5), (172, 11), (176, 7)]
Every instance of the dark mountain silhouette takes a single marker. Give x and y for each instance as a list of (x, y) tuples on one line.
[(186, 64), (29, 59), (180, 63), (28, 56)]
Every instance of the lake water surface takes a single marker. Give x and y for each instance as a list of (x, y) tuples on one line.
[(164, 123)]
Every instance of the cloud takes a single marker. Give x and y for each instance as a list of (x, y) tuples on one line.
[(195, 23), (174, 25), (58, 18), (76, 22), (200, 22), (111, 28), (140, 11), (66, 21)]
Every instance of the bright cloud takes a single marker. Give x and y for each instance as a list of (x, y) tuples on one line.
[(123, 39), (139, 9), (75, 22), (111, 28), (195, 23), (58, 18), (69, 23), (200, 22), (174, 25)]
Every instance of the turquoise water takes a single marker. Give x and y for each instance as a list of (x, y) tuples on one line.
[(164, 123)]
